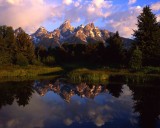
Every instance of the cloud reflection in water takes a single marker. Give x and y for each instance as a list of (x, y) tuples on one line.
[(85, 106)]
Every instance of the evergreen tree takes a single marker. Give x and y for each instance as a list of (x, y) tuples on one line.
[(21, 60), (148, 37), (7, 45), (49, 60), (25, 46), (116, 50), (80, 52), (100, 54), (41, 52), (136, 59)]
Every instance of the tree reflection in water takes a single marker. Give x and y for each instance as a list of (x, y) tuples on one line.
[(147, 104), (20, 92), (115, 89)]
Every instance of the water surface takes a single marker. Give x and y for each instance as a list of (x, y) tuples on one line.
[(56, 104)]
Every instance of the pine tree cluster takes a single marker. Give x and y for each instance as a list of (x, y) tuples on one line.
[(15, 48)]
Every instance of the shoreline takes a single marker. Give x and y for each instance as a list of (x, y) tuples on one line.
[(17, 73)]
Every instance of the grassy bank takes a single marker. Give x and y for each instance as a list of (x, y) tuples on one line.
[(79, 74), (146, 74), (8, 73), (87, 75)]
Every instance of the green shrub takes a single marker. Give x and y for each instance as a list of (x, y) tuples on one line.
[(151, 70), (5, 59), (36, 62), (21, 60), (136, 59), (87, 75), (49, 60)]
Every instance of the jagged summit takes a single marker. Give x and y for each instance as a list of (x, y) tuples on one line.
[(41, 31), (90, 26), (67, 22), (82, 26), (66, 25)]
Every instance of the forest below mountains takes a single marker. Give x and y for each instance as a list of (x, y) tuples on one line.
[(18, 48)]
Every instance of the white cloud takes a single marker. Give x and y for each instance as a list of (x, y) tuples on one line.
[(158, 18), (26, 14), (14, 1), (88, 11), (68, 121), (98, 3), (99, 121), (124, 22), (91, 9), (101, 3), (76, 4), (67, 2), (155, 6), (132, 2)]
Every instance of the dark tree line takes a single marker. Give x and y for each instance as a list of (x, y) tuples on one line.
[(91, 54), (20, 92)]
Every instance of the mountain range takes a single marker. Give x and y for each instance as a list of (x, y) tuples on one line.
[(68, 34)]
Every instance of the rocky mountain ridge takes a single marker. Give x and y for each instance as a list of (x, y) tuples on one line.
[(67, 33)]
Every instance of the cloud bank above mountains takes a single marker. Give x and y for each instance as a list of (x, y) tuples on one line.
[(31, 14)]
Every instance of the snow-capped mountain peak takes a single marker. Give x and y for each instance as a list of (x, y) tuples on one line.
[(69, 34)]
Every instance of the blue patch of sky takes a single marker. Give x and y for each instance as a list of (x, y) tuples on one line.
[(119, 2), (51, 25)]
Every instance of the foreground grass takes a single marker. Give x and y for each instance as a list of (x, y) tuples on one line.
[(28, 73), (115, 75), (87, 75), (17, 73)]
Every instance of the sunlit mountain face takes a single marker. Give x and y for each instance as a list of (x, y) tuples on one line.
[(66, 33), (47, 104)]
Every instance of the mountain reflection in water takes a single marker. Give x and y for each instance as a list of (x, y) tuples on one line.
[(66, 91), (48, 104)]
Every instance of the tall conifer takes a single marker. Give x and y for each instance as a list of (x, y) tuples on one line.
[(147, 37)]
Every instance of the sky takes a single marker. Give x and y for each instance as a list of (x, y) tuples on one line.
[(113, 15)]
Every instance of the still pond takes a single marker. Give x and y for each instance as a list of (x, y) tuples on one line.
[(59, 104)]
